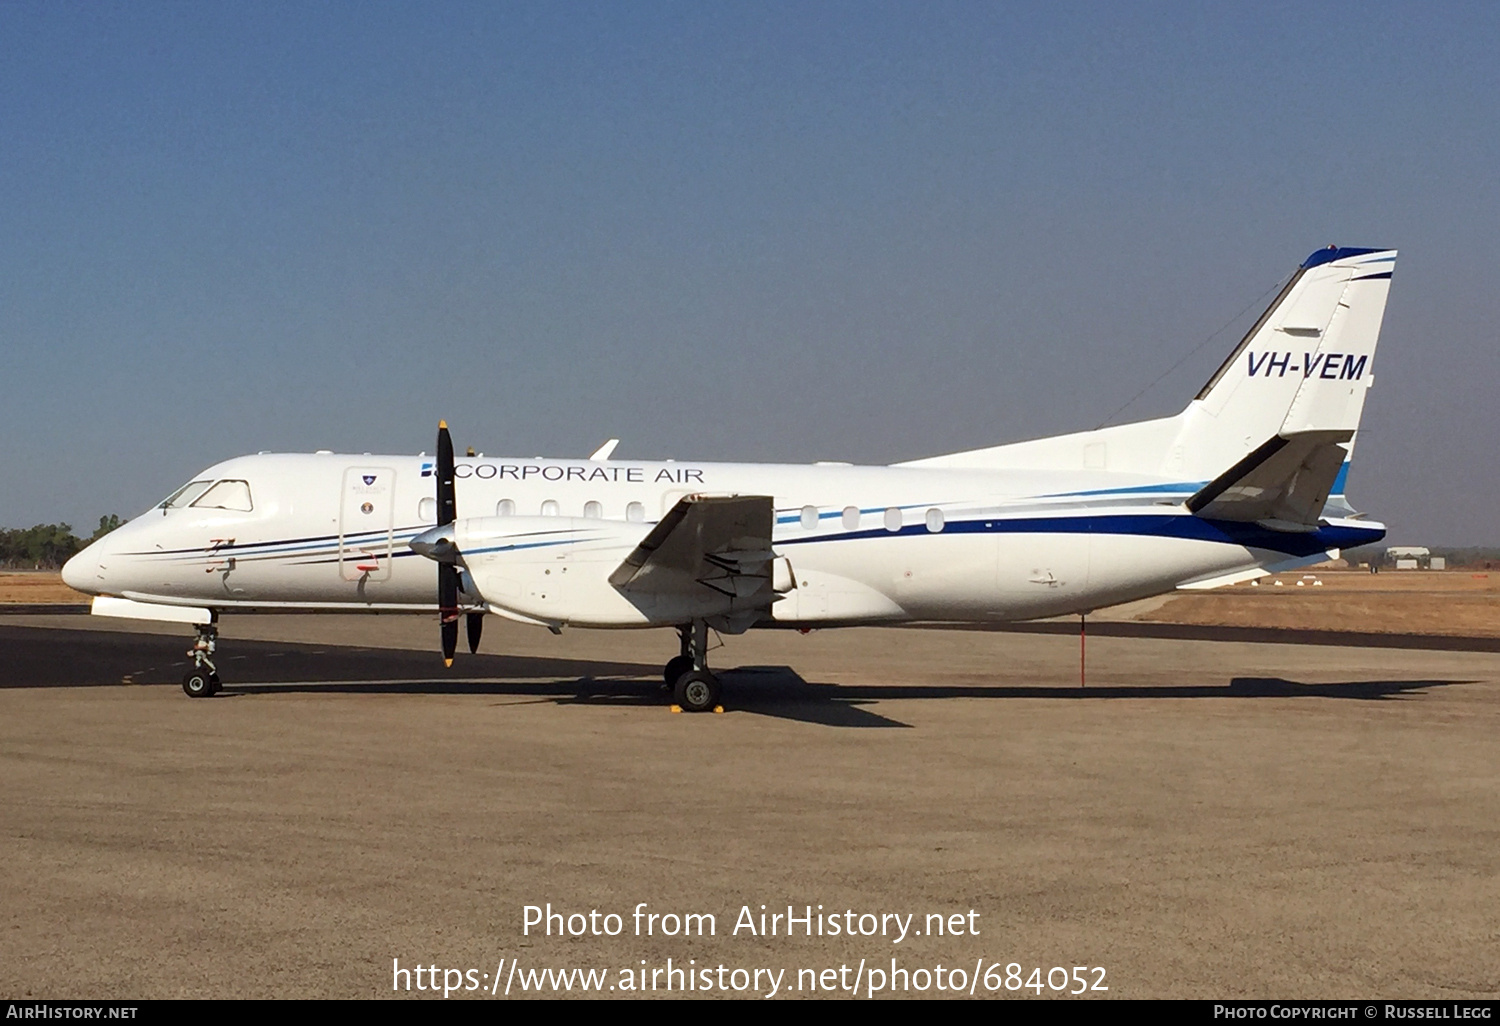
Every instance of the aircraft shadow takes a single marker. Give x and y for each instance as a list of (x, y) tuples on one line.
[(53, 658), (1238, 687), (1259, 635), (767, 691), (778, 691), (44, 658)]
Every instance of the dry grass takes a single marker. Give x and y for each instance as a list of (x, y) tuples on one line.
[(1454, 602), (38, 588)]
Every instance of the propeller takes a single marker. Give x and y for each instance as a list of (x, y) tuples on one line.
[(438, 544), (447, 513)]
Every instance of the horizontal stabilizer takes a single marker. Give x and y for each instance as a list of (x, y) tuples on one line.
[(1283, 484)]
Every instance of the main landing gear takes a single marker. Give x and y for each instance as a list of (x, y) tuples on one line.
[(694, 688), (202, 681)]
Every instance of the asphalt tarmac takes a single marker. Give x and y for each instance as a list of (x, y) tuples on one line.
[(1210, 819)]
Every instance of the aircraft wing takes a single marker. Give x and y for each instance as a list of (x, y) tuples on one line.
[(719, 542), (1283, 484)]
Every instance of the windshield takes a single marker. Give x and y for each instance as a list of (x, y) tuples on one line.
[(233, 495), (185, 495)]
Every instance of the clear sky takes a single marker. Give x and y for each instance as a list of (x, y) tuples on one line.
[(799, 231)]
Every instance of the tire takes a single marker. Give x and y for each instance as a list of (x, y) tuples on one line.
[(676, 667), (198, 683), (696, 691)]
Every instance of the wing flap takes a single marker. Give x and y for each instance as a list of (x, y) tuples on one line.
[(720, 542)]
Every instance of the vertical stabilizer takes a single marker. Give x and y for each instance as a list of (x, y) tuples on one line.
[(1304, 366)]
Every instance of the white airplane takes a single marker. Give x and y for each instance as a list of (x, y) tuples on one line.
[(1247, 480)]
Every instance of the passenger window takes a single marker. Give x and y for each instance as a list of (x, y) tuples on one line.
[(186, 494), (934, 520), (231, 495), (893, 519), (593, 510), (504, 508), (427, 511), (635, 513), (851, 518), (549, 508), (809, 518)]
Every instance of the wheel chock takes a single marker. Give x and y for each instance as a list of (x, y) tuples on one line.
[(718, 708), (676, 708)]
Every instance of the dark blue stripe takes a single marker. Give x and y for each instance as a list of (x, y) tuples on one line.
[(399, 533), (1228, 532), (1329, 255), (1373, 277)]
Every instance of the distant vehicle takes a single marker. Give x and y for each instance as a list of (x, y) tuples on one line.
[(1248, 479)]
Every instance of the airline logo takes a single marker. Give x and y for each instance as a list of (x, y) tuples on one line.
[(1332, 366)]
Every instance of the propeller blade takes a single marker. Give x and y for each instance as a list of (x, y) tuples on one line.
[(475, 623), (447, 513), (446, 500), (448, 607)]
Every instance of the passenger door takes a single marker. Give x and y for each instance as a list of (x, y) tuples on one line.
[(367, 509)]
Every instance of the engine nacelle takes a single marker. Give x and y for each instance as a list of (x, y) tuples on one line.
[(555, 571)]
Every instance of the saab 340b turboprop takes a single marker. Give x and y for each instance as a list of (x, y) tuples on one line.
[(1248, 479)]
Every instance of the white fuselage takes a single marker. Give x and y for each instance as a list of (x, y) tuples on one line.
[(862, 544)]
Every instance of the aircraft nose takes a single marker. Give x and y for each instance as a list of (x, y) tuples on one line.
[(84, 572)]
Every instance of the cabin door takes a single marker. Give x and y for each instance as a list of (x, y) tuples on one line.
[(367, 512)]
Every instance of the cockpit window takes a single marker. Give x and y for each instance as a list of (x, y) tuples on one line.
[(186, 494), (233, 495)]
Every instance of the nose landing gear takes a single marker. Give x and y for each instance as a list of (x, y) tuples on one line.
[(202, 681)]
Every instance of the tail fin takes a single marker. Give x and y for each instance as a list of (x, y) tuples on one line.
[(1301, 370), (1307, 362), (1283, 409)]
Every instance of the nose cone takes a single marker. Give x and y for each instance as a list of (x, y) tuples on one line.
[(83, 572), (436, 543)]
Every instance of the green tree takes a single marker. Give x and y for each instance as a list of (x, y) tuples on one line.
[(106, 525), (45, 545)]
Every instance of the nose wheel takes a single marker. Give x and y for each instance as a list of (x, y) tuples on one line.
[(202, 681), (200, 684)]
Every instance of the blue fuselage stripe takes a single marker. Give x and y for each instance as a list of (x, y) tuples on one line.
[(1191, 528)]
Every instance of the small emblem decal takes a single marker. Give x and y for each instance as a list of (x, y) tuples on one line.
[(368, 507), (369, 479)]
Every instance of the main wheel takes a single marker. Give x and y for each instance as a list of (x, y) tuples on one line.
[(676, 667), (198, 683), (697, 691)]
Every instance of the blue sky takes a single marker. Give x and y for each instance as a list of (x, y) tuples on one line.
[(866, 232)]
